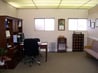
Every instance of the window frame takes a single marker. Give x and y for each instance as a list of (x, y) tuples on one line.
[(44, 24), (77, 29)]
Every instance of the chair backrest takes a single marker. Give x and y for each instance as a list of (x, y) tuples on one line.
[(31, 47), (37, 39)]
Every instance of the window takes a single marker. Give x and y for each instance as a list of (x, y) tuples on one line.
[(44, 24), (77, 24)]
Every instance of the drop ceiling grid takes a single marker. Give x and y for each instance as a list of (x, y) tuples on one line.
[(52, 3)]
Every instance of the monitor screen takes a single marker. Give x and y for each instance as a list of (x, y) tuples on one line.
[(15, 38), (20, 37)]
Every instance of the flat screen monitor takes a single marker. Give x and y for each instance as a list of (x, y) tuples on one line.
[(15, 39), (20, 37)]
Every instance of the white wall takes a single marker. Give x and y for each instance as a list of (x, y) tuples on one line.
[(28, 16), (6, 9), (93, 14)]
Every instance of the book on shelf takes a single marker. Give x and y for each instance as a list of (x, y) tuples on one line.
[(6, 23), (20, 25)]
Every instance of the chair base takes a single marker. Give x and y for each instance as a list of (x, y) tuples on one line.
[(31, 60)]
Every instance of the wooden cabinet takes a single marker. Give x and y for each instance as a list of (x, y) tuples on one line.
[(11, 36), (78, 42)]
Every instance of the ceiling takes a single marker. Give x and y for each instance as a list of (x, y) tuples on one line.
[(53, 3)]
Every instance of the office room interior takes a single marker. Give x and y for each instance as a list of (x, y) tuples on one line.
[(28, 16)]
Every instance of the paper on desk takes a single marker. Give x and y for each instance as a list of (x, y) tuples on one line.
[(43, 43)]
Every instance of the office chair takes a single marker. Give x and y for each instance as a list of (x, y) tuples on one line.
[(31, 51)]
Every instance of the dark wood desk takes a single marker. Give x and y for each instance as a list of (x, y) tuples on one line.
[(4, 62), (44, 45)]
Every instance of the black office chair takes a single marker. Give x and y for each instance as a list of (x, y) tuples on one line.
[(31, 51)]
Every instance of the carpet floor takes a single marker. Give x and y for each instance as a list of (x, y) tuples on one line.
[(71, 62)]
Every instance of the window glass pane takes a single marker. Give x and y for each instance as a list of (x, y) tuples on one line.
[(82, 24), (44, 24), (72, 24), (49, 24), (39, 24), (78, 24)]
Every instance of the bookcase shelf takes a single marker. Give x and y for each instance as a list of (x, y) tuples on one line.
[(10, 39)]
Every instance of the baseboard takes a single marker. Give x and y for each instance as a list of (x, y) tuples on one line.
[(69, 50)]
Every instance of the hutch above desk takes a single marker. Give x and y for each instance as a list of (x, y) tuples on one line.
[(10, 39)]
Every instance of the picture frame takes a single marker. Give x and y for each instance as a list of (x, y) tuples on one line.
[(96, 22), (92, 25), (61, 24), (89, 23)]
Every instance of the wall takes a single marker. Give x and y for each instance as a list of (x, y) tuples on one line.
[(6, 9), (28, 16), (93, 14)]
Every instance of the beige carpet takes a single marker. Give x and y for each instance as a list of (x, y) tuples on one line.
[(74, 62)]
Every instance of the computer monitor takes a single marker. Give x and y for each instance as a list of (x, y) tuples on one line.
[(20, 37), (15, 39)]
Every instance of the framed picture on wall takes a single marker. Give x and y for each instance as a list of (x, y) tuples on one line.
[(61, 24), (96, 22), (89, 23), (92, 25)]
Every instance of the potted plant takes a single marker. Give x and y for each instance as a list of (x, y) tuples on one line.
[(2, 53)]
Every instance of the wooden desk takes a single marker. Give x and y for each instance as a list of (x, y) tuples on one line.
[(44, 45), (3, 63)]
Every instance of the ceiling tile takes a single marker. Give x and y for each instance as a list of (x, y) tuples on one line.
[(19, 1)]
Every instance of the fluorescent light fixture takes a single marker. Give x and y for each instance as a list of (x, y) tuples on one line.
[(53, 3), (14, 4)]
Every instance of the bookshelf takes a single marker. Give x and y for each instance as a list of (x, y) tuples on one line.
[(78, 42), (11, 36)]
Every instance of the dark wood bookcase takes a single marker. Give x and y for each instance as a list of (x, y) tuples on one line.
[(78, 42), (11, 36)]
